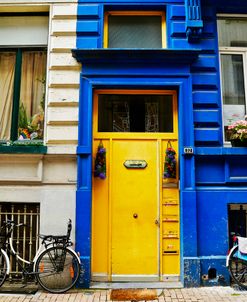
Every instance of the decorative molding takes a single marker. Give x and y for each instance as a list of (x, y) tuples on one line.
[(194, 23)]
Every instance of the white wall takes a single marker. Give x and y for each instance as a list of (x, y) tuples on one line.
[(50, 179)]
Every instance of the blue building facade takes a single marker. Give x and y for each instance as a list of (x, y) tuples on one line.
[(213, 175)]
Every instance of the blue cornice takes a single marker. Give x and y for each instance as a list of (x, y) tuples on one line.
[(170, 56)]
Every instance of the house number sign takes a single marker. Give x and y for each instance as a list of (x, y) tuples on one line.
[(135, 164)]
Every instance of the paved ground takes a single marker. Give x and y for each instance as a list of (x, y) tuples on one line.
[(205, 294)]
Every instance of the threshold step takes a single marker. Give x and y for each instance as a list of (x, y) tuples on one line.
[(113, 285)]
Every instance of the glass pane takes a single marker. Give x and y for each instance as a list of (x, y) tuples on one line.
[(7, 71), (232, 89), (32, 93), (134, 32), (232, 79), (135, 113), (232, 32)]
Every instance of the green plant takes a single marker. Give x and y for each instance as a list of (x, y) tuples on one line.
[(22, 120)]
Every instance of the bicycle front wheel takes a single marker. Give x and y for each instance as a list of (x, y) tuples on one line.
[(57, 269), (238, 269), (3, 268)]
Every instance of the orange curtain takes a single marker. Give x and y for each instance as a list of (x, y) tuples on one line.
[(7, 72), (32, 78)]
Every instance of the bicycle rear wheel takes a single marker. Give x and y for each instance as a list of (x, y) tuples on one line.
[(3, 268), (57, 269), (238, 269)]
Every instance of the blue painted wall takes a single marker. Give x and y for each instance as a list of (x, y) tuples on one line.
[(213, 176)]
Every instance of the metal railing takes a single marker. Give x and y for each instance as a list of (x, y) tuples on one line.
[(26, 241)]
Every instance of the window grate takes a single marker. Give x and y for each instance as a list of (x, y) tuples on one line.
[(25, 239)]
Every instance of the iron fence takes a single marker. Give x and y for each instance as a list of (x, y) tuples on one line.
[(25, 239)]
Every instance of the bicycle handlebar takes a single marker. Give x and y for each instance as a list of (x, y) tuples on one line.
[(69, 228), (12, 223)]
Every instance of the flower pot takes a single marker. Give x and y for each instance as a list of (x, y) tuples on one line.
[(238, 143)]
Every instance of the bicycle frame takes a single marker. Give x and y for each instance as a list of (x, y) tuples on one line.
[(13, 252), (48, 242), (7, 260), (33, 262)]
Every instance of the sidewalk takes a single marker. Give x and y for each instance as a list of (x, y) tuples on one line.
[(203, 294)]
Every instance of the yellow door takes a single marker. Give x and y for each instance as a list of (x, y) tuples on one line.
[(134, 211)]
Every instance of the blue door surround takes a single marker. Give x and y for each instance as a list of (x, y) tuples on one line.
[(115, 69)]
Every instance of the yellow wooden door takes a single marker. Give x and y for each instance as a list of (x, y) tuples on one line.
[(134, 212)]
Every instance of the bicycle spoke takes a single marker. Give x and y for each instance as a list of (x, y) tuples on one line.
[(57, 269)]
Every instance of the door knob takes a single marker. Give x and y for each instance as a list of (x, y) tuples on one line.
[(157, 222), (135, 215)]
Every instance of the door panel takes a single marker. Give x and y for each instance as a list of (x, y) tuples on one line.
[(134, 210)]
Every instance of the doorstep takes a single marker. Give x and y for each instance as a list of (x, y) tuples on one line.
[(114, 285)]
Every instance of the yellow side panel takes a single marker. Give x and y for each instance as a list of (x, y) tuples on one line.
[(171, 264), (170, 231), (135, 209), (100, 225)]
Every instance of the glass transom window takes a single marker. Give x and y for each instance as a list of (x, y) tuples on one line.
[(135, 113), (134, 30)]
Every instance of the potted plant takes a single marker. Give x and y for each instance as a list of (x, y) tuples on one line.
[(238, 133)]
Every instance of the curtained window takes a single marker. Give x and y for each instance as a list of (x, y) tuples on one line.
[(23, 57), (22, 86)]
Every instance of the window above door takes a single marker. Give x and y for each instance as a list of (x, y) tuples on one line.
[(134, 29)]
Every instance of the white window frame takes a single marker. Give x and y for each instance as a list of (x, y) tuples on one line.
[(231, 51)]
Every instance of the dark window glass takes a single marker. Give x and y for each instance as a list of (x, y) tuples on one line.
[(135, 113), (134, 31)]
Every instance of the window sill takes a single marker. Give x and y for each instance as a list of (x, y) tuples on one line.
[(23, 146), (221, 150)]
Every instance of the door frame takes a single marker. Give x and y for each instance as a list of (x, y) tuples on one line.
[(160, 136), (89, 81)]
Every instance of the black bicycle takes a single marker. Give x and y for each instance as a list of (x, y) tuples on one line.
[(56, 266)]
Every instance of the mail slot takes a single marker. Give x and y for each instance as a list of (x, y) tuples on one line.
[(135, 164)]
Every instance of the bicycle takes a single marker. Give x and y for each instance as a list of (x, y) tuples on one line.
[(236, 261), (56, 266)]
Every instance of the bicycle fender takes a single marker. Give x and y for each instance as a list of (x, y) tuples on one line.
[(228, 256), (7, 260), (37, 256), (78, 258)]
